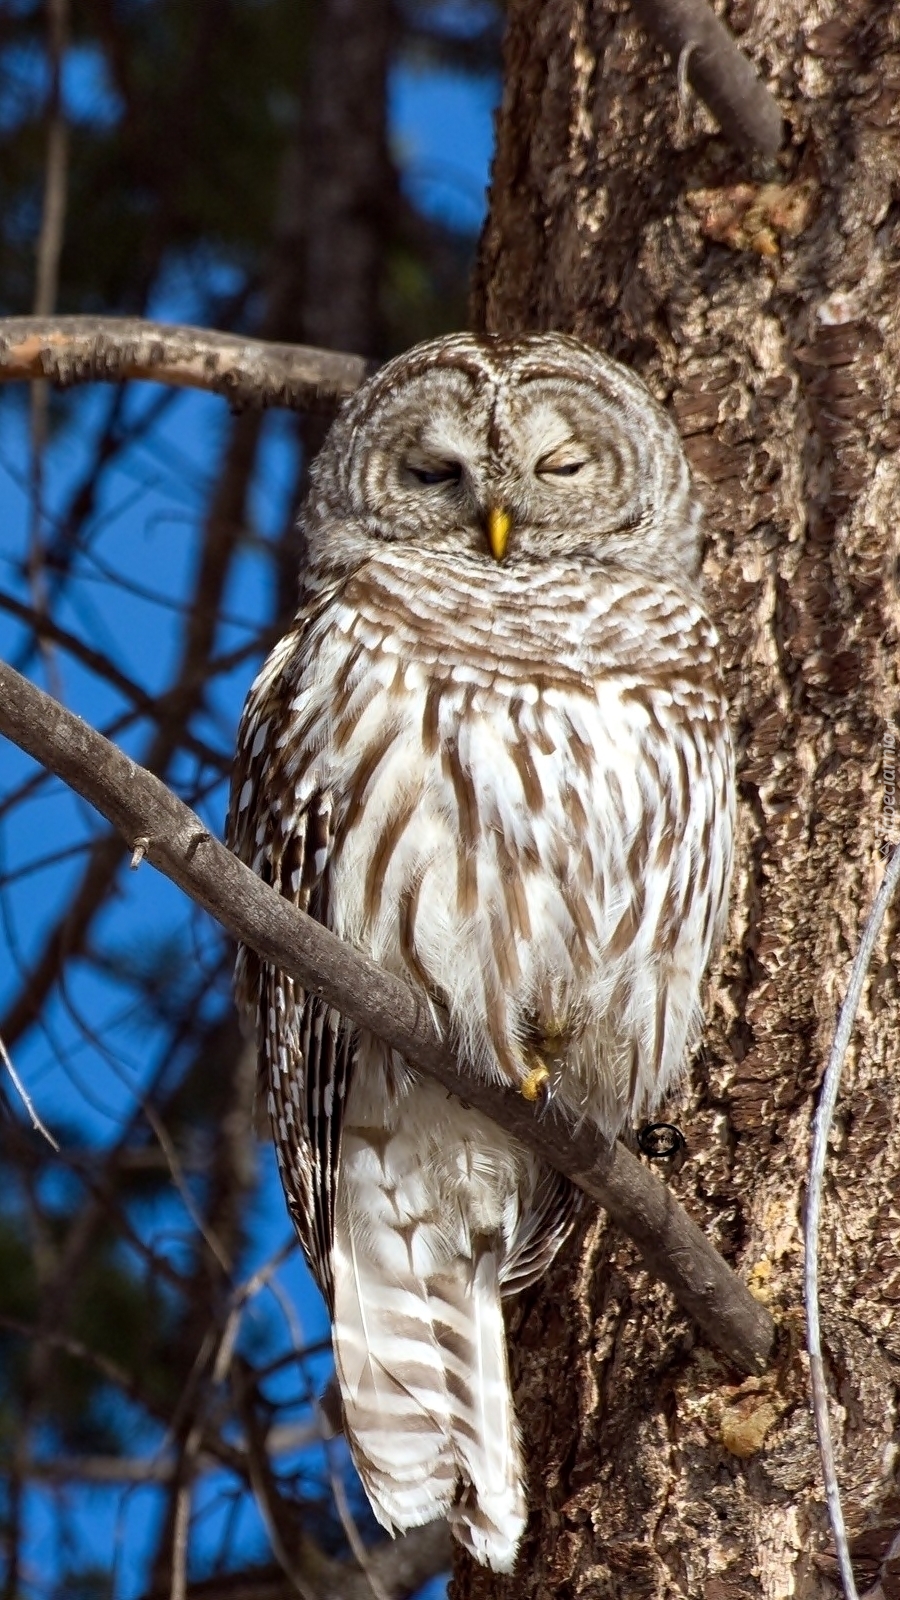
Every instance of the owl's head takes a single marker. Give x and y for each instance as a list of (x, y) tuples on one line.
[(506, 450)]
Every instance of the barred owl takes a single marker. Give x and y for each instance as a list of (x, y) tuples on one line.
[(492, 752)]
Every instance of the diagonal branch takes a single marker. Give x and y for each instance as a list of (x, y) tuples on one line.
[(717, 68), (159, 826), (247, 372)]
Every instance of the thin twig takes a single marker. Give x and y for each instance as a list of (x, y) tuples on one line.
[(674, 1248), (264, 1490), (348, 1523), (247, 372), (824, 1116), (404, 1564), (19, 1087), (219, 548), (97, 661), (180, 1529), (718, 70), (240, 1298), (178, 1178)]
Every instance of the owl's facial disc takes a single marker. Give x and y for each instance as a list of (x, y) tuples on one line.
[(517, 453), (490, 481)]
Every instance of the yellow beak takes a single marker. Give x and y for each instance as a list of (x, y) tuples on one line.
[(498, 526)]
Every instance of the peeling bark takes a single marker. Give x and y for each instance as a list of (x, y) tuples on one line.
[(762, 304)]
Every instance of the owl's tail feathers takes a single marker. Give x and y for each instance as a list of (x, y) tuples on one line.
[(488, 1516), (427, 1405)]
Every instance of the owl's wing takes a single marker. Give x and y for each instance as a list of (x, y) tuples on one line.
[(542, 1229), (307, 1051), (279, 824), (329, 1052)]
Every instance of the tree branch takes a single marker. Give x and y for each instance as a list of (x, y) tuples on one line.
[(824, 1116), (247, 372), (174, 839), (718, 70)]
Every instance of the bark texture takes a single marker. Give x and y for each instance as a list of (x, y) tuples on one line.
[(762, 303)]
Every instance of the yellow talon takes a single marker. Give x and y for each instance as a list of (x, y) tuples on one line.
[(533, 1083)]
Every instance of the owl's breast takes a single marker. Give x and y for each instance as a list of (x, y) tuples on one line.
[(495, 813), (539, 838)]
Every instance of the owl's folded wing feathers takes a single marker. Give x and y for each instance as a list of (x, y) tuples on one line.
[(545, 1224), (306, 1049)]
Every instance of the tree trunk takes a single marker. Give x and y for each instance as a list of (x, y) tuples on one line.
[(767, 317)]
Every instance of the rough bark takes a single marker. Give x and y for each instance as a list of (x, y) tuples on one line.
[(761, 304)]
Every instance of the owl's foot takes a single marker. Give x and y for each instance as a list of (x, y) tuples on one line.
[(547, 1042), (535, 1084)]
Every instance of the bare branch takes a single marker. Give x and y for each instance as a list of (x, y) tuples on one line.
[(247, 372), (180, 1535), (152, 706), (267, 1497), (403, 1565), (107, 1470), (718, 70), (353, 1535), (824, 1116), (19, 1087), (140, 807)]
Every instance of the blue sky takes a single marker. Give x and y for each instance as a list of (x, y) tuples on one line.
[(443, 134), (145, 526)]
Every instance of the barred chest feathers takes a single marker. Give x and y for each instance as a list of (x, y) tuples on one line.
[(524, 820)]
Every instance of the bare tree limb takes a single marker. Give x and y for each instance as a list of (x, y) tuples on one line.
[(718, 70), (301, 1565), (403, 1565), (140, 807), (180, 1537), (824, 1116), (247, 372)]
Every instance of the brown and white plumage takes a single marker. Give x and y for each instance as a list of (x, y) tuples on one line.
[(502, 769)]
